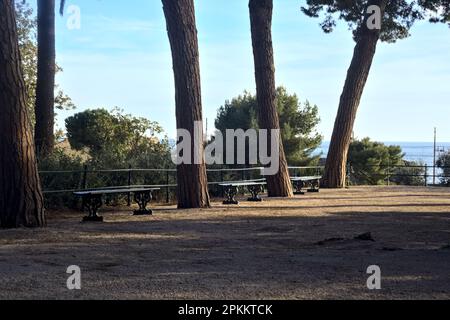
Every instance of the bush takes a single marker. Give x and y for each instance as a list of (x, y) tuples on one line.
[(61, 171), (444, 164), (101, 141), (370, 161), (411, 174), (298, 123)]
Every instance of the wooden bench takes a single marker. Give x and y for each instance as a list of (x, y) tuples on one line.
[(301, 182), (255, 187), (93, 200)]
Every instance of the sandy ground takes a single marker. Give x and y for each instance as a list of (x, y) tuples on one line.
[(269, 250)]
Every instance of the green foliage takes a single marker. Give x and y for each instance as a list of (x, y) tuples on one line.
[(90, 129), (239, 113), (27, 31), (69, 177), (399, 17), (102, 140), (369, 161), (437, 10), (298, 123), (298, 128), (412, 173), (62, 160), (444, 163), (116, 140)]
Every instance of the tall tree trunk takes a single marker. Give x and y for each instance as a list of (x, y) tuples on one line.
[(192, 189), (45, 86), (278, 185), (366, 44), (21, 201)]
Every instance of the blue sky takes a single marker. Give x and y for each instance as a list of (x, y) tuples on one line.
[(121, 57)]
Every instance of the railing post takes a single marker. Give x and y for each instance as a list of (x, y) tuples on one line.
[(426, 175), (84, 182), (348, 169), (221, 180), (129, 184), (388, 176), (84, 186), (167, 188)]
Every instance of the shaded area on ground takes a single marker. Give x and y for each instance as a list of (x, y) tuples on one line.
[(302, 248)]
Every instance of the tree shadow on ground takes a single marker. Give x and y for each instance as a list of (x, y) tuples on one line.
[(236, 256)]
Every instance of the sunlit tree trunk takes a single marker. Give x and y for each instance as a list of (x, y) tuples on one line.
[(45, 86), (366, 44), (192, 189), (278, 185), (21, 201)]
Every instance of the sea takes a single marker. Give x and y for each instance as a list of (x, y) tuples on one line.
[(414, 151)]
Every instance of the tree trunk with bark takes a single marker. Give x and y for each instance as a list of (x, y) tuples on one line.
[(45, 85), (278, 185), (366, 43), (21, 200), (192, 184)]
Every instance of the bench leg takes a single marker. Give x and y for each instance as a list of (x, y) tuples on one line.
[(299, 185), (142, 199), (230, 193), (255, 190), (93, 203), (314, 186)]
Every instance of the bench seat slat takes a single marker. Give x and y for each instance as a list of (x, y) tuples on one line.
[(243, 184), (114, 191), (306, 178)]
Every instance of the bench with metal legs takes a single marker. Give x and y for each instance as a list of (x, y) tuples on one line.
[(230, 194), (255, 190), (299, 183), (93, 200), (298, 186), (314, 185), (255, 187), (142, 198)]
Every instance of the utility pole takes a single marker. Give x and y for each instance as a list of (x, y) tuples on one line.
[(434, 158)]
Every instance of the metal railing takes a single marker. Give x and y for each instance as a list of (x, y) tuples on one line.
[(418, 175), (67, 182), (59, 185)]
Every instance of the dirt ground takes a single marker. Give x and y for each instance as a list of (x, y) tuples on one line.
[(303, 248)]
